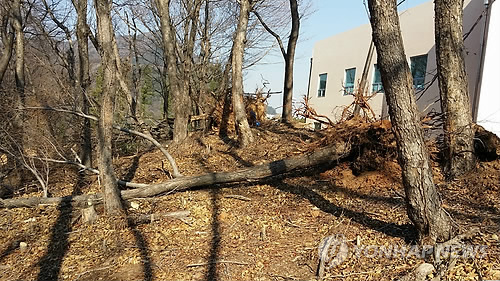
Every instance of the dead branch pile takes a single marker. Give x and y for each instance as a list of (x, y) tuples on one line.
[(375, 142), (255, 106)]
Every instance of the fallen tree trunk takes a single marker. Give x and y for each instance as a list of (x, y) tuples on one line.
[(328, 154)]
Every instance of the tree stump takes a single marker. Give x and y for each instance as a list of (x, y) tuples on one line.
[(89, 215)]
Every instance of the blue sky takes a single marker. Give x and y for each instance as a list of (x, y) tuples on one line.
[(328, 18)]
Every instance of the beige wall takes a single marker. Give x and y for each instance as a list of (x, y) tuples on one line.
[(488, 114), (349, 49)]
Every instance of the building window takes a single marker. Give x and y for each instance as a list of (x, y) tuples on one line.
[(418, 71), (317, 126), (350, 74), (377, 86), (322, 85)]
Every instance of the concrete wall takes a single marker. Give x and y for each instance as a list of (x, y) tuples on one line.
[(349, 49)]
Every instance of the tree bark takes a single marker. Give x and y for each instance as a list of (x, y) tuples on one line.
[(329, 154), (19, 117), (7, 44), (226, 107), (180, 97), (135, 67), (423, 203), (455, 105), (112, 199), (245, 135), (18, 28), (84, 78), (287, 116)]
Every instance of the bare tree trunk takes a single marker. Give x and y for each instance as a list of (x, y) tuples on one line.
[(423, 203), (134, 65), (180, 97), (289, 61), (18, 124), (226, 107), (459, 132), (165, 96), (193, 8), (84, 77), (288, 56), (18, 27), (245, 136), (7, 44), (123, 84), (68, 57), (112, 199), (202, 79)]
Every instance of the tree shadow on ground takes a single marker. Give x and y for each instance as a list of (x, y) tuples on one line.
[(395, 201), (50, 263), (237, 158), (215, 243), (406, 231), (143, 247), (213, 256), (132, 169), (11, 248)]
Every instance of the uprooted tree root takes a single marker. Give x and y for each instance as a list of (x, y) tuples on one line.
[(374, 142)]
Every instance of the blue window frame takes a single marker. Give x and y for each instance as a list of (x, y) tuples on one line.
[(322, 85), (350, 74), (418, 71), (377, 86)]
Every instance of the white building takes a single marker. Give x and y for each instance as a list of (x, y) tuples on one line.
[(337, 64)]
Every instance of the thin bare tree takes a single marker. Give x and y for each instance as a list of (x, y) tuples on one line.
[(288, 56), (82, 37), (7, 40), (179, 56), (245, 135)]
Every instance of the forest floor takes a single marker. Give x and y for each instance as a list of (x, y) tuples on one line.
[(270, 231)]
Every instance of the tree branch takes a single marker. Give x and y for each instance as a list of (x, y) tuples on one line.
[(274, 34), (171, 160)]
